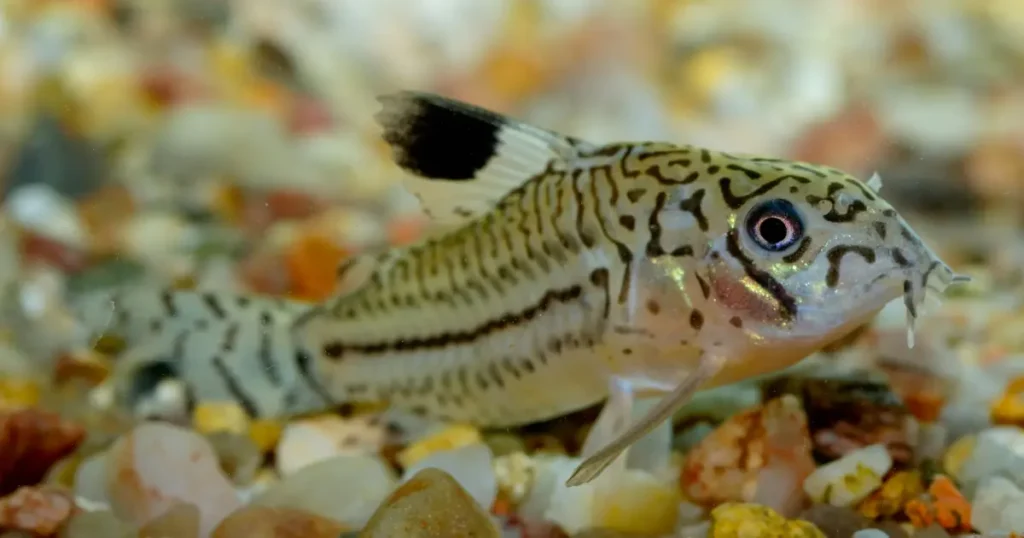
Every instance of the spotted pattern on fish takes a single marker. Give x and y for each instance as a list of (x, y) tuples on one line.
[(566, 264)]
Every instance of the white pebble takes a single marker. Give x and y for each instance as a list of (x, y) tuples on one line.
[(997, 506), (472, 466), (306, 442), (870, 533), (320, 489), (851, 478), (999, 451)]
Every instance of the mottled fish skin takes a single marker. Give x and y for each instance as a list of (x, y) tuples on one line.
[(568, 265), (576, 263), (222, 346)]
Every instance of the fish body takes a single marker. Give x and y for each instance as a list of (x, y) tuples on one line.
[(571, 268)]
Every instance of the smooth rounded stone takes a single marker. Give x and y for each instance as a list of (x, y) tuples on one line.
[(319, 489), (431, 504), (850, 479), (997, 506), (238, 455), (842, 522), (306, 442), (870, 533), (267, 522), (181, 521), (997, 452), (157, 466), (472, 466), (629, 500), (94, 524), (90, 481)]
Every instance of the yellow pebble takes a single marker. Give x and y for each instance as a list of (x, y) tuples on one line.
[(1009, 408), (957, 454), (452, 437), (640, 504), (212, 417), (744, 520), (890, 499), (265, 433), (16, 393), (108, 344)]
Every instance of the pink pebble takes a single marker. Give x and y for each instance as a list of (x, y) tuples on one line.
[(158, 466)]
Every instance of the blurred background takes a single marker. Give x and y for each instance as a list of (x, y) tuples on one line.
[(230, 145), (232, 142)]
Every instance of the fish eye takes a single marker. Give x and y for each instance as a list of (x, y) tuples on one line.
[(775, 225)]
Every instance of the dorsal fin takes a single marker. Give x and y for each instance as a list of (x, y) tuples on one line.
[(464, 158)]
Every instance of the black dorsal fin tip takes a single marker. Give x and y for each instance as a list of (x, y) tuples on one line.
[(436, 138)]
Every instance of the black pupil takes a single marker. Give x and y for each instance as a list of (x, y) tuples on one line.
[(773, 230)]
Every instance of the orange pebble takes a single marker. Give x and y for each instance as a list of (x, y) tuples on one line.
[(947, 507), (925, 405), (920, 513), (312, 263), (502, 507)]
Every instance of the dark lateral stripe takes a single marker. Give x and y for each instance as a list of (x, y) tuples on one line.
[(550, 298), (234, 387), (835, 259), (787, 304)]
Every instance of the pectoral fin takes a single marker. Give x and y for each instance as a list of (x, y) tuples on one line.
[(591, 467)]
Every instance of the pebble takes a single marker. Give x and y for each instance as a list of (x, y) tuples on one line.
[(265, 434), (634, 501), (515, 473), (957, 453), (93, 524), (997, 506), (844, 414), (850, 479), (315, 488), (895, 493), (870, 533), (181, 521), (431, 504), (738, 520), (472, 466), (238, 456), (448, 438), (18, 393), (39, 511), (762, 453), (157, 466), (267, 522), (214, 417), (306, 442), (90, 479), (998, 451), (842, 522)]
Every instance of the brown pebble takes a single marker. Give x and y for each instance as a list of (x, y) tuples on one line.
[(431, 504), (267, 522), (181, 521)]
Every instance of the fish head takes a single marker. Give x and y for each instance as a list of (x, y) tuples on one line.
[(808, 253)]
